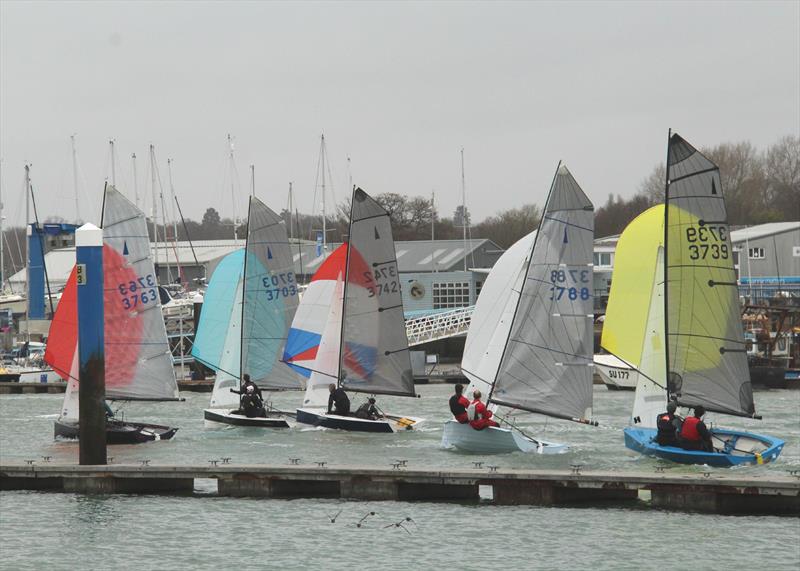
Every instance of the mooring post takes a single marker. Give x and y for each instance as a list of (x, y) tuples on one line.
[(197, 303), (91, 345)]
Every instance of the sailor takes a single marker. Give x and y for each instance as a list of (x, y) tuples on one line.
[(480, 416), (459, 404), (368, 410), (252, 405), (246, 382), (668, 426), (338, 400), (694, 433)]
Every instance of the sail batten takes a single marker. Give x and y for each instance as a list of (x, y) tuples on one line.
[(702, 318), (557, 287)]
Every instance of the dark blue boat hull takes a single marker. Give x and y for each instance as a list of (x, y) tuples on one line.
[(643, 440)]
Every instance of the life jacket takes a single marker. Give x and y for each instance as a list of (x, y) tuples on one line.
[(689, 429)]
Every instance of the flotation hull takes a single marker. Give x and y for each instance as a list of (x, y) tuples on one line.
[(388, 424), (119, 432), (493, 440), (227, 417), (737, 448)]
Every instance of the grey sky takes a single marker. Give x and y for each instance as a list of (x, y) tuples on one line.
[(398, 87)]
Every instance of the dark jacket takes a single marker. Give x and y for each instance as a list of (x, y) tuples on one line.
[(341, 400)]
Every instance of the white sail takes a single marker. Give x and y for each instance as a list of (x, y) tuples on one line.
[(70, 410), (491, 320), (650, 399), (326, 364), (229, 359)]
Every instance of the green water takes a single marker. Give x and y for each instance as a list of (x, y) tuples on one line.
[(66, 531)]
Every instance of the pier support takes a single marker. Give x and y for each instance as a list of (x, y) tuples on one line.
[(550, 493), (723, 501), (91, 345)]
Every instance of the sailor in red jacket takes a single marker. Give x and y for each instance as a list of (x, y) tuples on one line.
[(459, 404), (694, 433), (480, 416)]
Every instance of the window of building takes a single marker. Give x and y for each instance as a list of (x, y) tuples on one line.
[(450, 294), (602, 259), (478, 288), (756, 253)]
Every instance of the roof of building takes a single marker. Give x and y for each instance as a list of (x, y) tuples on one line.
[(412, 256), (762, 230)]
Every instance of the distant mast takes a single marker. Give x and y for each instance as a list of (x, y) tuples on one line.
[(464, 208), (324, 212), (253, 180), (27, 246), (135, 181), (113, 164), (232, 166), (154, 205), (75, 177)]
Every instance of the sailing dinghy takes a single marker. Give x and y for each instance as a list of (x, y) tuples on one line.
[(363, 346), (530, 348), (674, 265), (248, 308), (138, 362)]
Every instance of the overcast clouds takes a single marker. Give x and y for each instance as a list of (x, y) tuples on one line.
[(400, 88)]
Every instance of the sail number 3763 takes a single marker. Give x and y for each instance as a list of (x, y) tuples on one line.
[(707, 242), (141, 290), (568, 277)]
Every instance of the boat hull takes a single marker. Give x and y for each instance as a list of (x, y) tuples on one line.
[(119, 432), (494, 440), (615, 374), (741, 448), (388, 424), (226, 417)]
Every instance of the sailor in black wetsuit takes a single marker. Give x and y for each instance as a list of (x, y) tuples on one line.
[(338, 401), (368, 410), (668, 426), (252, 405)]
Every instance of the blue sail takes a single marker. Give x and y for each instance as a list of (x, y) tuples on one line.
[(222, 308)]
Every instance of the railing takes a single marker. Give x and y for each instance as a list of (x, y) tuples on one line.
[(438, 325)]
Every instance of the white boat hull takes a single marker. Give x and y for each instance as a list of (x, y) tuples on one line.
[(616, 375), (494, 441)]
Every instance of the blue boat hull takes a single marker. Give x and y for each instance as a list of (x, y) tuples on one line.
[(740, 448)]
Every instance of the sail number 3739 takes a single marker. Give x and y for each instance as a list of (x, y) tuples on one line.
[(707, 242)]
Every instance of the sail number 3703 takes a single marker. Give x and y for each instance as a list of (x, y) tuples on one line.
[(707, 242), (567, 277), (279, 285)]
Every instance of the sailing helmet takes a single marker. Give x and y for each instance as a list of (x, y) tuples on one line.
[(250, 388)]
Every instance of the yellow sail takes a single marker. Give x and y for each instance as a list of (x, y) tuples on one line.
[(635, 261)]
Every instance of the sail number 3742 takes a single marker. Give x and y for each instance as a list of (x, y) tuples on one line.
[(707, 242)]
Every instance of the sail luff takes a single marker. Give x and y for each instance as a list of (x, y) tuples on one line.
[(705, 342), (547, 362)]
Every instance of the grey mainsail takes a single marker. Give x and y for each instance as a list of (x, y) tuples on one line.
[(374, 351), (138, 359), (546, 366), (706, 357), (269, 300)]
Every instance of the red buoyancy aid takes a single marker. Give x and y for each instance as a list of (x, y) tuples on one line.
[(689, 429)]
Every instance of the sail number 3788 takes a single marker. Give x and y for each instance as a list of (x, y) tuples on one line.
[(576, 277)]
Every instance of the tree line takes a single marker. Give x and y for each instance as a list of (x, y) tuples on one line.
[(759, 186)]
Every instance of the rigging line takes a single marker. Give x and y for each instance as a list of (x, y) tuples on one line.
[(41, 249), (678, 334), (386, 214), (633, 368), (550, 349), (685, 197), (216, 368)]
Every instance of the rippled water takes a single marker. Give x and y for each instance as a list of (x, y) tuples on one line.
[(66, 531)]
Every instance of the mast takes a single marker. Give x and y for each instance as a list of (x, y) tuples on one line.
[(113, 164), (324, 213), (232, 166), (75, 177), (135, 181), (27, 246), (344, 291), (174, 225), (252, 181), (433, 226), (244, 297), (154, 206), (2, 235), (464, 208), (291, 207), (666, 267)]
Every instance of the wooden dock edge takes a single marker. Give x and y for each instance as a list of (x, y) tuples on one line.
[(713, 493)]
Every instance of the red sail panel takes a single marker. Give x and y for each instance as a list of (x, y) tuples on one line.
[(62, 339)]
